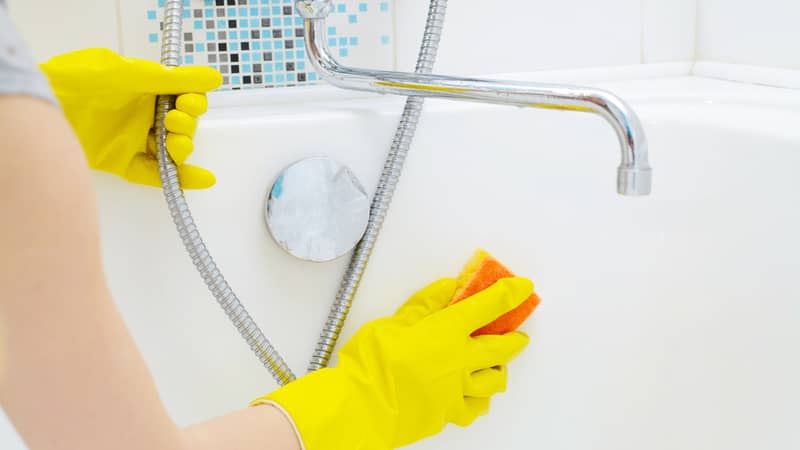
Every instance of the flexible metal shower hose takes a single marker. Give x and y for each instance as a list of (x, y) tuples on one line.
[(179, 210), (383, 195), (184, 222)]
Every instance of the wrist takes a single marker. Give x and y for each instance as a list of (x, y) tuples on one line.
[(286, 417), (335, 409)]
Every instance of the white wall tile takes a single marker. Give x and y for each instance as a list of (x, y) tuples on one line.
[(53, 27), (763, 32), (668, 30), (135, 29), (366, 26), (372, 26), (493, 37)]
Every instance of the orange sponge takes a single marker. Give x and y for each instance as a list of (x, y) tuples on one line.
[(482, 271)]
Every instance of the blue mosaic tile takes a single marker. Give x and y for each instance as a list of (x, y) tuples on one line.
[(260, 43)]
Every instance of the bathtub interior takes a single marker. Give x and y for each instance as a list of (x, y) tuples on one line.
[(667, 321)]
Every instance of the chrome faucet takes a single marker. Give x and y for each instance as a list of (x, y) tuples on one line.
[(634, 175)]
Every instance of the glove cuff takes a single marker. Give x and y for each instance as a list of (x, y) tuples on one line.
[(334, 410), (263, 402)]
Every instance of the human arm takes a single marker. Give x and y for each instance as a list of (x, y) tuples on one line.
[(71, 376)]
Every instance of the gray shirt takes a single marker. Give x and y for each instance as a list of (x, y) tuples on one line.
[(18, 73)]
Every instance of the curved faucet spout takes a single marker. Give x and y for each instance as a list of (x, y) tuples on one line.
[(634, 175)]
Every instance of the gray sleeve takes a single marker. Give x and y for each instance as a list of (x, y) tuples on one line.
[(18, 73)]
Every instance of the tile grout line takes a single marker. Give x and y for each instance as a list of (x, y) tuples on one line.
[(641, 32), (395, 63), (118, 9), (696, 30)]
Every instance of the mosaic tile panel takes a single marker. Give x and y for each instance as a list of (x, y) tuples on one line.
[(260, 43)]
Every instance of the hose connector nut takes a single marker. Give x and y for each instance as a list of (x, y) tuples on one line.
[(313, 9)]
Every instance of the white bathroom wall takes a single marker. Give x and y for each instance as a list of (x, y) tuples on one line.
[(749, 32), (52, 27), (540, 34), (483, 38), (668, 30), (500, 37), (480, 37)]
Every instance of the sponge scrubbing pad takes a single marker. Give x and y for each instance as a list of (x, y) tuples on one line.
[(482, 271)]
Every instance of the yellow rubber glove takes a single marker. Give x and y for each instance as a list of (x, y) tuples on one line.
[(403, 378), (110, 102)]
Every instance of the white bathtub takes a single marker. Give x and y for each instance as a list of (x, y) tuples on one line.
[(668, 322)]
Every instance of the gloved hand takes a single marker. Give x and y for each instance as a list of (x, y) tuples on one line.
[(110, 102), (403, 378)]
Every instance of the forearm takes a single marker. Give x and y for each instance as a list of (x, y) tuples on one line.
[(257, 428), (72, 376), (74, 379)]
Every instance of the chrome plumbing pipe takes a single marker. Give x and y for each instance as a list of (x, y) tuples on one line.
[(387, 184), (634, 175), (184, 222)]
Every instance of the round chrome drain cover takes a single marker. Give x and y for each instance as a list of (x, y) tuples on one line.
[(317, 210)]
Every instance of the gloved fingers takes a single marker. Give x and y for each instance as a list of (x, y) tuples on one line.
[(472, 408), (179, 147), (428, 300), (181, 123), (193, 104), (193, 177), (494, 350), (138, 75), (143, 169), (487, 305), (486, 382), (151, 144), (157, 79)]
